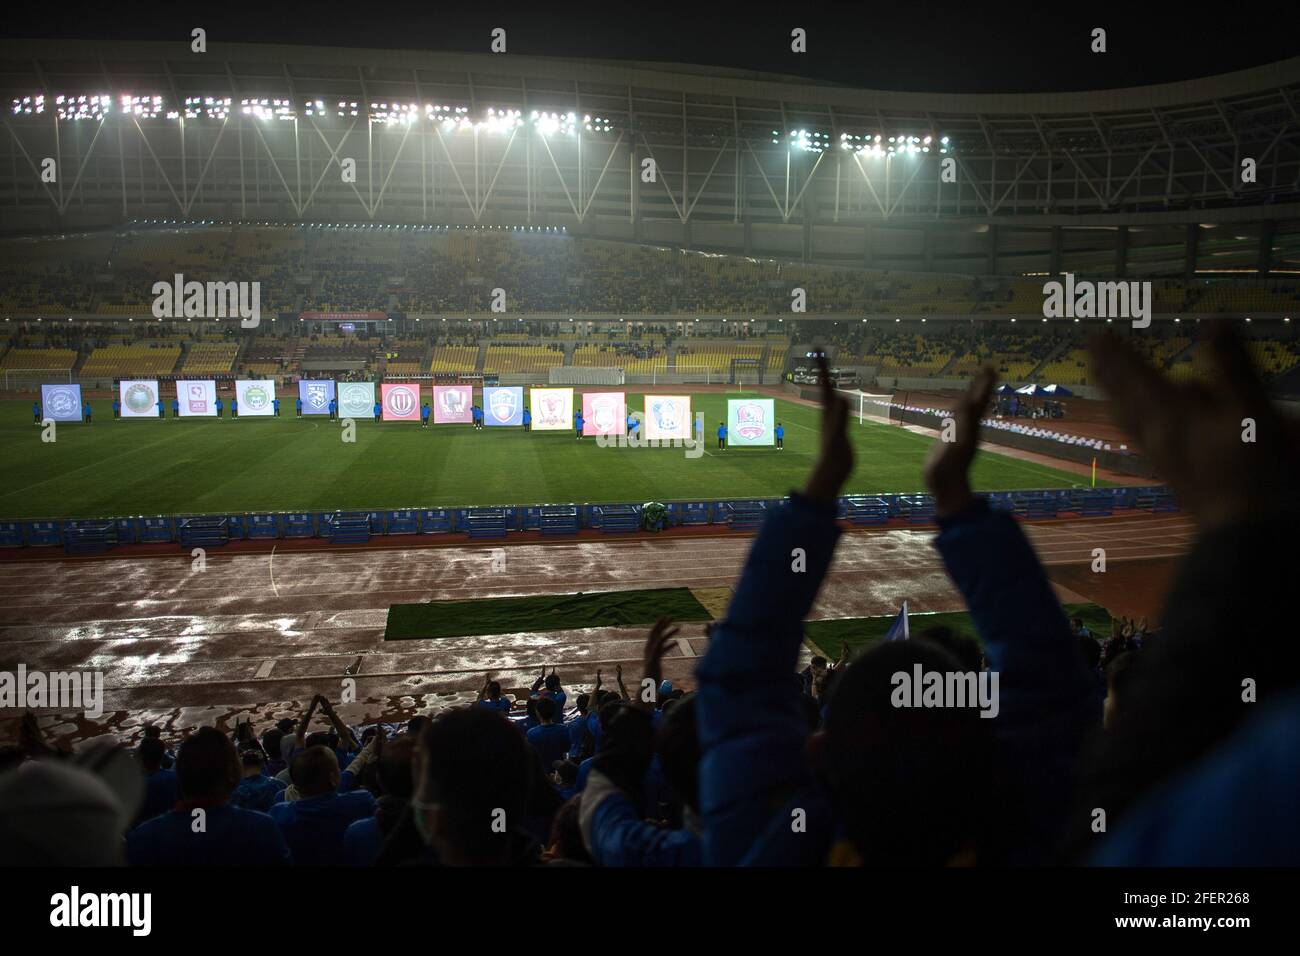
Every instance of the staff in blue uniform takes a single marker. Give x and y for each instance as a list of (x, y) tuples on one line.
[(297, 407), (36, 412), (780, 436), (528, 420), (577, 424), (378, 411), (722, 434), (424, 415)]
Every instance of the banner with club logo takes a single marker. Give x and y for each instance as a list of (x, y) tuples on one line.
[(504, 405), (750, 421), (61, 403), (255, 397), (453, 404), (356, 399), (667, 417), (604, 413), (196, 399), (139, 398), (315, 395), (401, 402), (552, 409)]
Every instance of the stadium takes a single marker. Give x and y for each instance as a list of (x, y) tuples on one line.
[(354, 398)]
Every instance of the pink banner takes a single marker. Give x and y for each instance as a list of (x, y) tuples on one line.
[(401, 403), (604, 413), (453, 404)]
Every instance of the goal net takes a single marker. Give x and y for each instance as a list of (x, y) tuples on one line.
[(867, 406)]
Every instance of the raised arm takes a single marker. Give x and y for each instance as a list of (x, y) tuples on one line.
[(751, 722), (1046, 698)]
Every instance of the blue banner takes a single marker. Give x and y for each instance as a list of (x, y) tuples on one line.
[(316, 395), (61, 403), (503, 405)]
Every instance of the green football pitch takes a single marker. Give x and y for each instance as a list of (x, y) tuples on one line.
[(195, 466)]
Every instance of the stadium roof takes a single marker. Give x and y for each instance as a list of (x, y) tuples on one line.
[(525, 140)]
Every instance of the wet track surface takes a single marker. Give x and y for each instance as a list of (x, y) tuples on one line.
[(258, 634)]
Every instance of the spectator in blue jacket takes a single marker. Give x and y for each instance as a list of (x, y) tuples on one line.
[(549, 738), (314, 824), (207, 770), (753, 728), (161, 790), (256, 791), (364, 839)]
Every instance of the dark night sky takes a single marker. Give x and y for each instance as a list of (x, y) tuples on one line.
[(944, 47)]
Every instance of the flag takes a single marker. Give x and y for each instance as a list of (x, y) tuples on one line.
[(898, 631)]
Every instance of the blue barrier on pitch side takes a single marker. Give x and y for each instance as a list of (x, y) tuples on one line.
[(92, 535)]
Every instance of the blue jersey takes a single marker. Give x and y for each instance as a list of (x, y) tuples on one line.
[(577, 423), (424, 412), (722, 431), (376, 409), (780, 432)]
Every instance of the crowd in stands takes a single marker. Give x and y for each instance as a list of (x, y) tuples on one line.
[(1184, 737), (316, 269)]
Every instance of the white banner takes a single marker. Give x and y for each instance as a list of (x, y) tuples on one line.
[(255, 397), (552, 409), (197, 399), (139, 398), (667, 417), (356, 399)]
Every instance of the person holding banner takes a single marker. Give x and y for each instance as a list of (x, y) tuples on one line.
[(234, 408), (219, 406), (160, 408), (424, 415), (176, 408), (780, 436), (528, 420), (477, 414), (275, 407), (632, 424)]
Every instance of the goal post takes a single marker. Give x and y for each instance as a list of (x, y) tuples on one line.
[(683, 374), (24, 379), (868, 406)]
